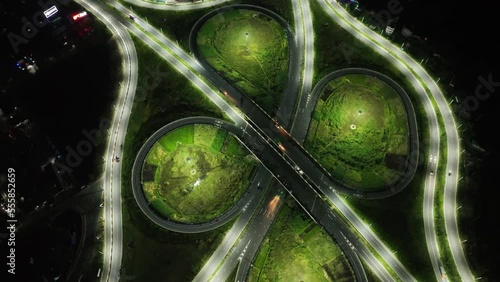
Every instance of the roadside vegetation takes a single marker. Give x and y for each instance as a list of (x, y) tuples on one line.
[(297, 249), (151, 253), (250, 50), (335, 48), (258, 71), (174, 24), (359, 132), (394, 221), (370, 275), (195, 173), (442, 237)]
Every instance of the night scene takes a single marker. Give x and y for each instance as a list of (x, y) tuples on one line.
[(248, 141)]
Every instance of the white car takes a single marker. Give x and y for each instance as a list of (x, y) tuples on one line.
[(297, 168)]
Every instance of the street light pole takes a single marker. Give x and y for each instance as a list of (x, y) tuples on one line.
[(246, 41)]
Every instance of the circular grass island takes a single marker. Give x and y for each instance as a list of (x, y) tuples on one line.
[(359, 132), (195, 173), (250, 49)]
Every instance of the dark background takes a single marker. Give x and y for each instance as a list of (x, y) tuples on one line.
[(463, 33)]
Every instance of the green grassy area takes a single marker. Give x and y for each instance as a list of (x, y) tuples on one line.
[(256, 64), (234, 148), (183, 135), (152, 253), (296, 249), (335, 48), (219, 140), (355, 60), (174, 24), (155, 254), (260, 73), (388, 217), (359, 131), (192, 180)]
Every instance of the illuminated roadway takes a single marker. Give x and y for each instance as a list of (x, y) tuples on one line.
[(420, 79), (178, 59), (289, 95), (221, 263), (201, 84), (264, 179), (211, 92), (252, 238), (177, 6), (305, 40), (113, 231), (284, 114)]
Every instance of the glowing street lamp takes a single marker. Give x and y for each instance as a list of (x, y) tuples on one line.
[(246, 40)]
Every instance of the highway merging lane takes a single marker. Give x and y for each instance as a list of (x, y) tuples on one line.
[(200, 83), (284, 115), (143, 203), (223, 263), (425, 86), (211, 94), (263, 179), (246, 105), (173, 6), (251, 239)]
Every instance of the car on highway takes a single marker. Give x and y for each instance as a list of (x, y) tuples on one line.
[(282, 148), (350, 245), (132, 17), (297, 168), (449, 172)]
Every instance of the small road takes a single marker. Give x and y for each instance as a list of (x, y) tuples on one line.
[(426, 89), (261, 132), (113, 231), (179, 6)]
